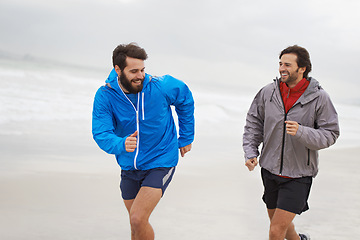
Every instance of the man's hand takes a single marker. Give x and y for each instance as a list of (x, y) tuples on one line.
[(291, 127), (185, 149), (130, 142), (251, 163)]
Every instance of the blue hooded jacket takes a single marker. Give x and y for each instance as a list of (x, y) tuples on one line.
[(115, 117)]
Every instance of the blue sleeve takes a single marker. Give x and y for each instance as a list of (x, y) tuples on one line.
[(103, 125), (179, 95)]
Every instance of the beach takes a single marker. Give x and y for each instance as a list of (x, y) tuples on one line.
[(56, 183)]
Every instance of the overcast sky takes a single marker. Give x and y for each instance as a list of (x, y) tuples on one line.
[(203, 39)]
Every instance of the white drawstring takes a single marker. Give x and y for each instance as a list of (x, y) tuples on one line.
[(143, 110)]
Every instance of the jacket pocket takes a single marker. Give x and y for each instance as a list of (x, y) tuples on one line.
[(308, 163)]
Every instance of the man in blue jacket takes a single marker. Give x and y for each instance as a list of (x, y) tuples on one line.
[(132, 118)]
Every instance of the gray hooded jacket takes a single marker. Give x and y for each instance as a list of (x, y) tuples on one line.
[(283, 154)]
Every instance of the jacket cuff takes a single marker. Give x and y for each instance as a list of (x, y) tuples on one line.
[(299, 132)]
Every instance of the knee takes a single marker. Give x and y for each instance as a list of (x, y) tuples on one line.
[(277, 231), (136, 221)]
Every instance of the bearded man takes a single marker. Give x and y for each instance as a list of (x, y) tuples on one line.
[(132, 119)]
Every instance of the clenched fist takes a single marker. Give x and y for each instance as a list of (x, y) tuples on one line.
[(131, 142)]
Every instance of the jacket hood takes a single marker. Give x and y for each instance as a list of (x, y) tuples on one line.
[(112, 80), (311, 92)]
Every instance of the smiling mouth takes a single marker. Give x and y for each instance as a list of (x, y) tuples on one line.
[(284, 74), (137, 81)]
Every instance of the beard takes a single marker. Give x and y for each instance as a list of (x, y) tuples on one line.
[(291, 77), (127, 84)]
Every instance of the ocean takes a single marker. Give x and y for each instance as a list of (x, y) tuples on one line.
[(31, 91)]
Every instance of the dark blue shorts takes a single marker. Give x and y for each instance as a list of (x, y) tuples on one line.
[(133, 180), (289, 194)]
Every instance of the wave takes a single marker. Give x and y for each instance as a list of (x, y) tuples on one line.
[(46, 95)]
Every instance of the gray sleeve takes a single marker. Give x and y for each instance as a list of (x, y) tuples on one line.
[(253, 130), (326, 129)]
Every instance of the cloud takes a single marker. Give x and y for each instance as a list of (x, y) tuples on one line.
[(231, 36)]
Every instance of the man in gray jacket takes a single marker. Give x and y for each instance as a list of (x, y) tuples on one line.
[(293, 118)]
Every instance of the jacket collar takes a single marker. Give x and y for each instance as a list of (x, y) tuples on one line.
[(311, 92)]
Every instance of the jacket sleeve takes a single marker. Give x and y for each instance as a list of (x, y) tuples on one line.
[(326, 129), (179, 95), (103, 125), (253, 130)]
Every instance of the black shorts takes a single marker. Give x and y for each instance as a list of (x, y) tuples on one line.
[(289, 194), (133, 180)]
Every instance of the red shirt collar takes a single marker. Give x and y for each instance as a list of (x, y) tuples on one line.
[(300, 86)]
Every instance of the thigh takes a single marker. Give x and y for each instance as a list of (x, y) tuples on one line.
[(128, 204), (271, 213), (281, 218), (145, 202)]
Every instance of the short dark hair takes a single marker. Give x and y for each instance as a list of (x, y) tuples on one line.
[(303, 57), (127, 50)]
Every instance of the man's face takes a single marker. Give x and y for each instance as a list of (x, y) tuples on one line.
[(290, 73), (132, 77)]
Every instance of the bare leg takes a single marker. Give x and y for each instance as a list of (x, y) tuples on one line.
[(281, 225), (140, 210)]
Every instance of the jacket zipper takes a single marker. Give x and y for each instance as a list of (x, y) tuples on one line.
[(284, 132), (283, 139), (137, 124), (137, 128), (283, 145)]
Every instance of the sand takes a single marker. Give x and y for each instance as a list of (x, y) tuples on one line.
[(55, 183)]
